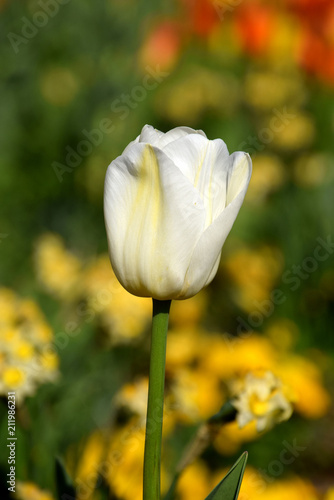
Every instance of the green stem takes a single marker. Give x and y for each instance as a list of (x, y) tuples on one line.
[(155, 403)]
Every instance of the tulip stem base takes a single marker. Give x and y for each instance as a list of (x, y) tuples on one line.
[(155, 403)]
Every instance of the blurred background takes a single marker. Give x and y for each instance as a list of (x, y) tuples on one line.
[(78, 82)]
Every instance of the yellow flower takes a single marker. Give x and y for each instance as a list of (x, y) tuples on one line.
[(13, 377), (284, 42), (124, 316), (42, 334), (127, 450), (30, 491), (196, 394), (254, 486), (98, 281), (34, 324), (268, 176), (24, 351), (58, 85), (199, 91), (194, 482), (7, 307), (261, 398), (230, 437), (292, 489), (30, 311), (283, 333), (189, 312), (134, 397), (10, 337), (49, 361), (124, 462), (312, 170), (298, 133), (57, 268), (304, 380), (229, 357), (25, 343), (329, 494), (254, 273), (90, 465), (184, 346), (265, 90)]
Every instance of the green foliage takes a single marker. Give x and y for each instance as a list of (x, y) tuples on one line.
[(65, 488), (228, 488)]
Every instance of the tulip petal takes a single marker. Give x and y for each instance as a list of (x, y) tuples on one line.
[(209, 247), (130, 145), (206, 164), (170, 201), (176, 133), (152, 136), (154, 219), (239, 175)]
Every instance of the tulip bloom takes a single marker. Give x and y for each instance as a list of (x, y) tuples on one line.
[(170, 201)]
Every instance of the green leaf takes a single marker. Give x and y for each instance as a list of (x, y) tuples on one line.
[(65, 488), (229, 486)]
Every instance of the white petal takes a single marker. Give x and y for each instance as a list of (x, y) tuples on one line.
[(209, 246), (239, 174), (244, 417), (262, 423), (150, 135), (206, 164), (130, 145), (154, 219), (177, 133), (155, 137)]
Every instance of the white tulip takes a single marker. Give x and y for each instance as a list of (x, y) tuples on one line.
[(170, 201)]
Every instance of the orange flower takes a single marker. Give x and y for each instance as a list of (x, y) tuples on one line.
[(254, 26), (202, 16), (161, 47), (316, 57)]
